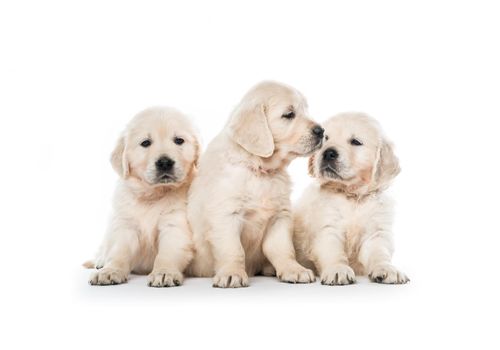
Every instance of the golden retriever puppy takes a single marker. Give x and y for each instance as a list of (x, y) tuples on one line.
[(156, 158), (239, 203), (342, 223)]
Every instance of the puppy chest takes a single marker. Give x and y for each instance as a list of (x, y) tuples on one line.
[(353, 238), (260, 207), (341, 215), (147, 219), (358, 221), (264, 196)]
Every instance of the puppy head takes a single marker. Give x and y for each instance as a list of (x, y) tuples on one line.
[(355, 156), (273, 117), (159, 147)]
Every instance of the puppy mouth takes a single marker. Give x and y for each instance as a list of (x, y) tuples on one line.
[(329, 171), (165, 178), (318, 144), (314, 147)]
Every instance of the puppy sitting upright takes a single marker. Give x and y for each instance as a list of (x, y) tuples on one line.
[(149, 233), (239, 203), (343, 221)]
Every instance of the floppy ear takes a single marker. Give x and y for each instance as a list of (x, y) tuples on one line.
[(197, 150), (310, 166), (119, 160), (387, 165), (248, 127)]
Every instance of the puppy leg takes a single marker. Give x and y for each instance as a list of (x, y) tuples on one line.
[(278, 249), (375, 255), (229, 255), (175, 252), (330, 258), (122, 247), (268, 270)]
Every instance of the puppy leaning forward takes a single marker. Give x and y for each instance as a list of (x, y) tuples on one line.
[(239, 203), (148, 233)]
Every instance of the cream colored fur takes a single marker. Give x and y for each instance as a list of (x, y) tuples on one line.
[(148, 232), (343, 221), (239, 207)]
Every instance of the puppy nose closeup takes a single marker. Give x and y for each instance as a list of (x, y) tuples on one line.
[(164, 164), (318, 131), (330, 154)]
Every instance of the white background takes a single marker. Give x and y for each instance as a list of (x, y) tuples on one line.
[(73, 73)]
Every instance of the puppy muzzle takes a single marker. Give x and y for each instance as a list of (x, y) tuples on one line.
[(329, 166), (165, 170)]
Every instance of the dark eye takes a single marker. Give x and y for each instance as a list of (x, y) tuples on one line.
[(178, 141), (356, 142), (289, 115), (146, 143)]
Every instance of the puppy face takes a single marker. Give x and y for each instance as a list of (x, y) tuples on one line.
[(273, 117), (355, 154), (158, 147)]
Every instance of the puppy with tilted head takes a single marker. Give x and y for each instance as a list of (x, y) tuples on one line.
[(239, 203), (156, 159), (343, 220)]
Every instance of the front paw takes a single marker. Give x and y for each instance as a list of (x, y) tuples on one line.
[(231, 279), (165, 278), (338, 275), (387, 274), (296, 273), (107, 276)]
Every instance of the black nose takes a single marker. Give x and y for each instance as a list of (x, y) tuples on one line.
[(318, 131), (164, 164), (330, 154)]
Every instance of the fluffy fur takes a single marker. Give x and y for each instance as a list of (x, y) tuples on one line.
[(148, 232), (239, 207), (343, 221)]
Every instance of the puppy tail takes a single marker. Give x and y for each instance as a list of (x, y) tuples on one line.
[(89, 264)]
